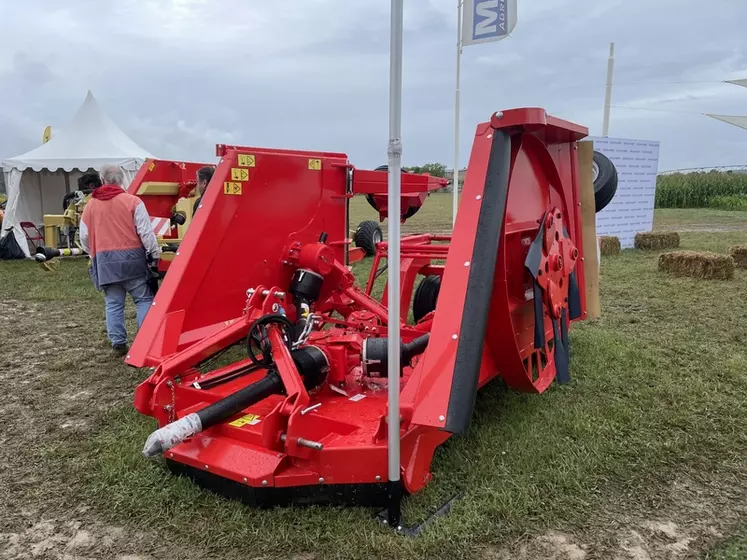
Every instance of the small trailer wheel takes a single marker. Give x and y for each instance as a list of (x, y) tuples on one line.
[(605, 180), (367, 235), (426, 296)]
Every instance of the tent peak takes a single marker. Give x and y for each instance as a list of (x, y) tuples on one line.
[(89, 140)]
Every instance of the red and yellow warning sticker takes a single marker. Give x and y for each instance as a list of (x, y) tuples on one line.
[(247, 419)]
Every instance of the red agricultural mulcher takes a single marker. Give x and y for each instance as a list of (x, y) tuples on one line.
[(302, 419)]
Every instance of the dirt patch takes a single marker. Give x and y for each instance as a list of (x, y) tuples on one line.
[(688, 521), (53, 538)]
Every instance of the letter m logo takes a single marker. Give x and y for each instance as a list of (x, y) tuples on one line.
[(489, 19)]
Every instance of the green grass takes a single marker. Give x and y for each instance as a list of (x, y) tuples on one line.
[(658, 395), (734, 548), (434, 216), (698, 218)]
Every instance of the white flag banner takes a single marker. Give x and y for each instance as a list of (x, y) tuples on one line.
[(741, 122), (487, 20), (742, 82)]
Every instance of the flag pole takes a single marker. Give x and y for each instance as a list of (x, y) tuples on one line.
[(608, 91), (455, 181), (394, 152)]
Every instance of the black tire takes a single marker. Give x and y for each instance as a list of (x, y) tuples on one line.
[(605, 181), (67, 199), (367, 235), (411, 210), (426, 297)]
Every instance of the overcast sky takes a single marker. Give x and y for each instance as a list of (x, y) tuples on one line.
[(179, 76)]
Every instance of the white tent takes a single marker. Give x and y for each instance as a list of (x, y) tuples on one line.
[(37, 181)]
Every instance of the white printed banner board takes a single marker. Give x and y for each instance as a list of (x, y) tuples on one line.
[(632, 208)]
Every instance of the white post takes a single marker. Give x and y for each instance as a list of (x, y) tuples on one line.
[(394, 151), (456, 111), (608, 92)]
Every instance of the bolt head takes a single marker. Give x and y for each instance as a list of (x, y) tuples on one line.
[(321, 480), (128, 356), (245, 480), (478, 197), (499, 114), (441, 418), (264, 483), (171, 455), (378, 478), (454, 336), (207, 467), (490, 135), (466, 263)]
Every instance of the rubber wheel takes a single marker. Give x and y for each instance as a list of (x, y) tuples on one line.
[(426, 297), (367, 235), (605, 180), (411, 210)]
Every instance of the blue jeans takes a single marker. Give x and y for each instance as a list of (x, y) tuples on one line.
[(114, 298)]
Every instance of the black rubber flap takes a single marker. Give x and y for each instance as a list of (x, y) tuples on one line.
[(539, 317), (574, 297), (479, 286), (560, 334), (532, 263)]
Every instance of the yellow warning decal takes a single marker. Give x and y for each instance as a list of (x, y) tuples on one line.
[(239, 174), (231, 188), (246, 160), (315, 164), (248, 419), (152, 166)]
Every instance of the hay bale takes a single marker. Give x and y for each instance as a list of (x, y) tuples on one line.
[(654, 240), (739, 254), (697, 265), (609, 245)]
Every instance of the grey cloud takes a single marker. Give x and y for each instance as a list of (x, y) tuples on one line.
[(180, 76)]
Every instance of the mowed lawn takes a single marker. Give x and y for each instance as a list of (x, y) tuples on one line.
[(641, 456)]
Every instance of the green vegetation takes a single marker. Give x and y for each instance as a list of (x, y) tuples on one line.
[(731, 202), (715, 189), (435, 169)]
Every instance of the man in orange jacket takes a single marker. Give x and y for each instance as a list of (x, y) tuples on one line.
[(116, 232)]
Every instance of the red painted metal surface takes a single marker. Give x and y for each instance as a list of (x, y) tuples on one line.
[(164, 171), (287, 205), (260, 201)]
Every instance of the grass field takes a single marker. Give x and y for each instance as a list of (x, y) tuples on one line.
[(641, 456)]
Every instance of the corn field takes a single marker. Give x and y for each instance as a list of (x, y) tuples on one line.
[(702, 190)]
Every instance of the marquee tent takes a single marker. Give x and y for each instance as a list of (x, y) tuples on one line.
[(37, 181)]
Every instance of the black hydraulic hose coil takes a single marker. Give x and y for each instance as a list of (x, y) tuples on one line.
[(257, 343)]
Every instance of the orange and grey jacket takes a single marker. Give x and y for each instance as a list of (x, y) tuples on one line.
[(118, 236)]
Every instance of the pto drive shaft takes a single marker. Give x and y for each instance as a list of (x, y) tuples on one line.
[(312, 365), (173, 434)]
